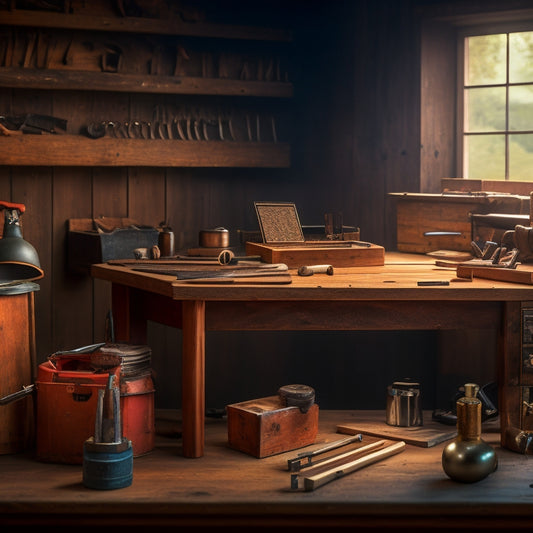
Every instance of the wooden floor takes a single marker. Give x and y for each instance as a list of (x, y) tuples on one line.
[(227, 489)]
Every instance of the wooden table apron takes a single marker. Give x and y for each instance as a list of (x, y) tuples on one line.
[(323, 303)]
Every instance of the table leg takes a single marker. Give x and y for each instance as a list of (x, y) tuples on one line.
[(193, 377), (129, 321)]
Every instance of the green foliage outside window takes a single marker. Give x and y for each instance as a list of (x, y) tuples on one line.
[(498, 106)]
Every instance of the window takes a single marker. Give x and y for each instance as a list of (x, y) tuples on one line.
[(496, 115)]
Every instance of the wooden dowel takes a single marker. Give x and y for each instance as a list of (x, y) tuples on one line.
[(313, 482)]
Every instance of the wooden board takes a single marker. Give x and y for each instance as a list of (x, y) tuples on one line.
[(450, 255), (425, 436), (518, 275), (319, 252)]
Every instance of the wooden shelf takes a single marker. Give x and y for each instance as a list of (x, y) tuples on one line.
[(25, 78), (74, 150), (141, 25), (86, 75)]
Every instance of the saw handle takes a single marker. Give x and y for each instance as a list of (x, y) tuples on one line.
[(9, 205)]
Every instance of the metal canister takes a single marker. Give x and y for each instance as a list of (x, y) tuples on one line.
[(166, 242), (404, 404), (214, 238)]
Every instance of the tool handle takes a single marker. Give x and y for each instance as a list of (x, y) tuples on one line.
[(309, 270), (9, 205)]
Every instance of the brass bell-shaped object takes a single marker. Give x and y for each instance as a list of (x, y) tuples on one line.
[(468, 458)]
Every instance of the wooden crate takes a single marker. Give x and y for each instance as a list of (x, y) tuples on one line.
[(264, 427), (318, 252), (418, 214)]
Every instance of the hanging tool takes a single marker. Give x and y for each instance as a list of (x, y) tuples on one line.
[(34, 123)]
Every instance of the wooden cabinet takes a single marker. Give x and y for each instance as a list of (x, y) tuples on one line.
[(156, 89)]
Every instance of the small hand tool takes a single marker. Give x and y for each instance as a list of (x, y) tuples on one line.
[(336, 461), (245, 273), (14, 396), (274, 132), (188, 126), (107, 455), (295, 464), (312, 482), (179, 129), (96, 130), (309, 270), (187, 272), (196, 126), (441, 233)]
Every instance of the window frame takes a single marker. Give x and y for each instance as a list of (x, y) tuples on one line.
[(470, 31)]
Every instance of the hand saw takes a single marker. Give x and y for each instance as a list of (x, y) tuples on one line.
[(275, 269)]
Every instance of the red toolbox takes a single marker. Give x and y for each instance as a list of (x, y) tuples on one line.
[(67, 395)]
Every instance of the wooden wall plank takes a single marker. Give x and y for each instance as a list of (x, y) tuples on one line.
[(146, 195), (72, 301), (109, 200), (33, 188), (438, 94)]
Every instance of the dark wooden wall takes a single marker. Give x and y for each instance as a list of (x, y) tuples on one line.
[(357, 136)]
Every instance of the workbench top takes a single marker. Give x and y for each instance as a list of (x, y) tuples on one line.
[(229, 487), (397, 279)]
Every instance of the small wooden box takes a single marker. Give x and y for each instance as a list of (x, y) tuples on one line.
[(265, 427), (318, 252)]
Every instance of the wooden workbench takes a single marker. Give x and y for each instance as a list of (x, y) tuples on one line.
[(237, 492), (384, 297)]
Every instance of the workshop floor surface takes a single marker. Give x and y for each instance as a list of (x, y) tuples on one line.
[(228, 488)]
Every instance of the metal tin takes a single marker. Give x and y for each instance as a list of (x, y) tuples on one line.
[(404, 404), (166, 242), (214, 238)]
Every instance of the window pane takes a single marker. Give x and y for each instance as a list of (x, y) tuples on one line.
[(521, 108), (521, 57), (485, 157), (484, 109), (486, 59), (521, 157)]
